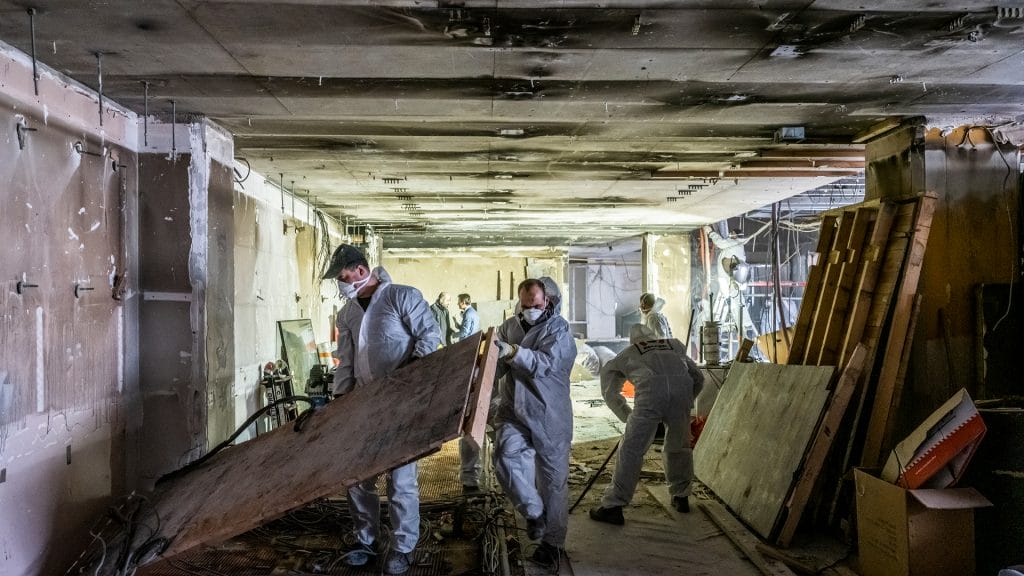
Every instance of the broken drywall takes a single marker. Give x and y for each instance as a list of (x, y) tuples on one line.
[(66, 288)]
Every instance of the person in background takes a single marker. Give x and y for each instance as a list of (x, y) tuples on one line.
[(533, 417), (443, 318), (666, 381), (382, 327), (651, 316), (470, 318)]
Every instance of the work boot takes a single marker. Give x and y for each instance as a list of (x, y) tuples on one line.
[(535, 527), (398, 562), (547, 554), (681, 504), (361, 555), (610, 515)]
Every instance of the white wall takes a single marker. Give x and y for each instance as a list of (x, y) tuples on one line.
[(273, 281), (612, 289)]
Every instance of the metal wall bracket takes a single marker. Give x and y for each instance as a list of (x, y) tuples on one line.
[(80, 148), (22, 285), (22, 129), (79, 288)]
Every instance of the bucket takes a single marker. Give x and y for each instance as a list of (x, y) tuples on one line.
[(710, 345)]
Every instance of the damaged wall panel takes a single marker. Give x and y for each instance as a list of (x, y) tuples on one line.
[(65, 377)]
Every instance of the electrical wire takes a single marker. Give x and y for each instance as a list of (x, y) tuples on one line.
[(238, 432)]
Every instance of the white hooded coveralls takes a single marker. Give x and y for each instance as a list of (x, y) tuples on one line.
[(666, 381), (533, 418), (396, 327)]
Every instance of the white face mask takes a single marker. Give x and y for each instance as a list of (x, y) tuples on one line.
[(350, 291), (532, 315)]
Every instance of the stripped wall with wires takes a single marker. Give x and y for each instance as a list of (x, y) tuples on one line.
[(66, 301), (281, 246), (974, 240)]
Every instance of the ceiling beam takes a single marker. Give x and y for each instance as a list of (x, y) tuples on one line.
[(812, 153), (683, 174), (809, 163)]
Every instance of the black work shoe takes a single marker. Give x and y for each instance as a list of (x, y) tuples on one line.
[(612, 515), (535, 528), (468, 489), (547, 554), (681, 504), (360, 555)]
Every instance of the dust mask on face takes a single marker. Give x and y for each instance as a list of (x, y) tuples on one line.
[(532, 315), (350, 291)]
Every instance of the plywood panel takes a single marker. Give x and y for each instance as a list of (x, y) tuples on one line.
[(823, 438), (898, 335), (756, 435), (372, 429)]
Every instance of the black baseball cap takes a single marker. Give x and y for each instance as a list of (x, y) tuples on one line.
[(345, 256)]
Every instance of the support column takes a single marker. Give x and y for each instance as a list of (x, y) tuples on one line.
[(187, 284)]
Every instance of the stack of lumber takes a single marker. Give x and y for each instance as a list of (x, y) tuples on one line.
[(861, 292), (780, 438)]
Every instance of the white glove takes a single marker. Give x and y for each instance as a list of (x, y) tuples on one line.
[(505, 350)]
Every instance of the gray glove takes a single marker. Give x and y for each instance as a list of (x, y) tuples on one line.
[(505, 350)]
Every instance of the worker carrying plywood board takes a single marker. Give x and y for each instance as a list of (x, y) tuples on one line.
[(382, 327)]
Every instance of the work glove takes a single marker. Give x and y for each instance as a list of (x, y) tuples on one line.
[(505, 350)]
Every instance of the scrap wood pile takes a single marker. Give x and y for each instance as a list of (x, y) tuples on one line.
[(797, 430)]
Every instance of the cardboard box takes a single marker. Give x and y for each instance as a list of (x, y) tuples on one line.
[(924, 532), (937, 452)]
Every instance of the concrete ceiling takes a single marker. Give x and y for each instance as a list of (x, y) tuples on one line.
[(544, 123)]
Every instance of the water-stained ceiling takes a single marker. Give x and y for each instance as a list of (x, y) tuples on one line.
[(514, 122)]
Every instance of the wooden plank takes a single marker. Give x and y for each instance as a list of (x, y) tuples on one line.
[(743, 539), (884, 393), (833, 268), (904, 365), (479, 401), (878, 310), (811, 292), (828, 353), (347, 441), (867, 281), (762, 409), (815, 460), (789, 560), (773, 346)]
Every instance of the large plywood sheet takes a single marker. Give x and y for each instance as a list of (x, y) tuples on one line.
[(372, 429), (756, 436)]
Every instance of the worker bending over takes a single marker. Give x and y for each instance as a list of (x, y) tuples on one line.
[(382, 327), (666, 381), (651, 316), (533, 419)]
